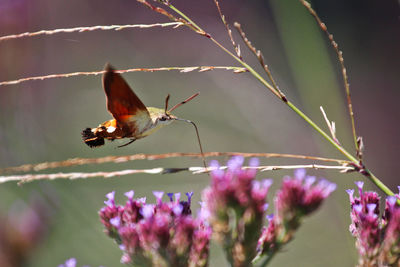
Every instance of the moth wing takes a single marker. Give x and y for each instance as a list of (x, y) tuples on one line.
[(122, 102)]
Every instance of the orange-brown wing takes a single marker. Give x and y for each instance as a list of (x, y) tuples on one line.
[(121, 100)]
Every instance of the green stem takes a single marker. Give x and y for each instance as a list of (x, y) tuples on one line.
[(262, 260), (244, 64), (267, 260), (379, 184), (319, 130), (185, 17)]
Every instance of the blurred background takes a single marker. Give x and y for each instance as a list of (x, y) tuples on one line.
[(42, 120)]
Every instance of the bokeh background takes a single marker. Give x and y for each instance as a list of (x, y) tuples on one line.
[(42, 120)]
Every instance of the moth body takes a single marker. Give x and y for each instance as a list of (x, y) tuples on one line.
[(132, 119)]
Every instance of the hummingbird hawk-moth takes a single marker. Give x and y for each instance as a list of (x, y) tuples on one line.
[(131, 118)]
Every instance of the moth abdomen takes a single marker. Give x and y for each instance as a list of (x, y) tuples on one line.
[(91, 139)]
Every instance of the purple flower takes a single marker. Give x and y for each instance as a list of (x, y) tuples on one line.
[(235, 187), (154, 230), (298, 196), (268, 238), (259, 193), (132, 209), (365, 221), (69, 263), (110, 199), (116, 222), (189, 196), (377, 237), (391, 245), (130, 195), (177, 210), (184, 235), (129, 237), (109, 212), (23, 229), (156, 234), (171, 196), (158, 195), (390, 208), (234, 205), (200, 246), (147, 211)]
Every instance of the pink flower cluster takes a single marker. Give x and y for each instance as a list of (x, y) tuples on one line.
[(234, 205), (298, 197), (377, 237), (161, 234)]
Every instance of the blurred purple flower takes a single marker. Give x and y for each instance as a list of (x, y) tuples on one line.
[(72, 262), (233, 210), (200, 248), (234, 205), (268, 238), (391, 245), (298, 197), (23, 229), (158, 234), (377, 238), (110, 211), (69, 263)]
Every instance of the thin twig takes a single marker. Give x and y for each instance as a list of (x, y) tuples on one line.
[(331, 125), (309, 166), (228, 29), (199, 30), (260, 58), (88, 29), (73, 175), (121, 159), (360, 151), (162, 11), (192, 25), (87, 73), (194, 170), (344, 71)]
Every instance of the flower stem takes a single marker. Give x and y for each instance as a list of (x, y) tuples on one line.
[(184, 16), (263, 260)]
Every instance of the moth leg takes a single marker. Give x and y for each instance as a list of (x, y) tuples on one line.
[(130, 142)]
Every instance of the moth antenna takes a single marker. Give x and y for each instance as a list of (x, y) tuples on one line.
[(184, 102), (166, 103), (197, 133)]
